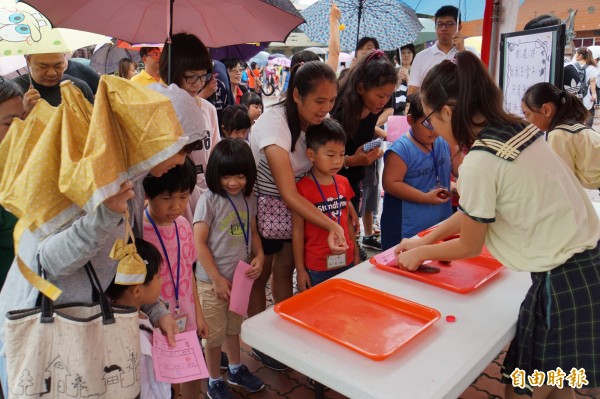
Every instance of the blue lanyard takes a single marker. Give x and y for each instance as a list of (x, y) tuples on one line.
[(432, 153), (162, 244), (245, 231), (337, 193)]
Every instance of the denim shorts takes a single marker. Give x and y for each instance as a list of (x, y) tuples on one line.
[(317, 277)]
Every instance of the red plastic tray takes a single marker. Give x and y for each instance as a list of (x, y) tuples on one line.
[(462, 276), (370, 322)]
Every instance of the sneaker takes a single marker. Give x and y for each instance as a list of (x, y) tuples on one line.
[(219, 390), (245, 379), (312, 384), (371, 242), (269, 361), (224, 361), (362, 254)]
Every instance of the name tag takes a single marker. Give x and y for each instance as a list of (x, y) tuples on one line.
[(181, 321), (336, 261)]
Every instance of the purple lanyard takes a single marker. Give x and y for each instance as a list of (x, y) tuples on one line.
[(339, 203), (245, 231), (162, 244)]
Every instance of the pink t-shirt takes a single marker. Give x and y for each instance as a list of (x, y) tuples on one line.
[(188, 257)]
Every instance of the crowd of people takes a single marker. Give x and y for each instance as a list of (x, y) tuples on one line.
[(284, 189)]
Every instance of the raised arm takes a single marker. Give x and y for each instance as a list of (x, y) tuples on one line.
[(334, 37)]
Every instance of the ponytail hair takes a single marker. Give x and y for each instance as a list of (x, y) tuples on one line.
[(587, 55), (304, 77), (568, 106), (465, 84)]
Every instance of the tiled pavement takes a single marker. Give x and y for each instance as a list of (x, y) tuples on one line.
[(293, 385)]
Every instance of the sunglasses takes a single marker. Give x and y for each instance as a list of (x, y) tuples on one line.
[(193, 79)]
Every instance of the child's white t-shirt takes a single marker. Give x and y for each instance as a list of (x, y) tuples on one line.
[(151, 388)]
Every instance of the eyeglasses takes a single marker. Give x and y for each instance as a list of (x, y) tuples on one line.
[(193, 79), (427, 123), (447, 25)]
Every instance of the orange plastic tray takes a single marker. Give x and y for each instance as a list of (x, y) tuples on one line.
[(462, 276), (370, 322)]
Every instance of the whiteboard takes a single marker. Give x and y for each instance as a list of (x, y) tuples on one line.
[(527, 58)]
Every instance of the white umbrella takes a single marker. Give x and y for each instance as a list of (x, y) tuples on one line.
[(12, 63)]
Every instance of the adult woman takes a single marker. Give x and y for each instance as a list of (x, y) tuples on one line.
[(191, 69), (279, 148), (127, 68), (584, 62), (235, 68), (528, 208), (407, 54), (562, 116)]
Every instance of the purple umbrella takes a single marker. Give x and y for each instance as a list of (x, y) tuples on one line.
[(242, 51)]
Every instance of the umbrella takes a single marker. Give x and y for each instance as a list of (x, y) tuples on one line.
[(23, 30), (428, 32), (216, 23), (392, 22), (317, 50), (286, 62), (11, 63), (261, 58), (85, 154), (243, 51), (276, 55), (345, 57), (105, 60), (469, 9)]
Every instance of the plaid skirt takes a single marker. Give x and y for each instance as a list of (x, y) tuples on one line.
[(559, 322)]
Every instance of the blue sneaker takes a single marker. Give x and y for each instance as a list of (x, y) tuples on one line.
[(219, 390), (245, 379)]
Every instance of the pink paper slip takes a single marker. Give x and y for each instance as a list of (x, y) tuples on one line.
[(240, 289), (182, 363)]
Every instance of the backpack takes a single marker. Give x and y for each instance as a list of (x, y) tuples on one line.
[(583, 88)]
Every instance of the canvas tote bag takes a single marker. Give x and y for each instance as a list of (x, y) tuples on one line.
[(74, 350)]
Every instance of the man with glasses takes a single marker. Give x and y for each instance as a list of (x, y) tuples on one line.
[(148, 75), (449, 42)]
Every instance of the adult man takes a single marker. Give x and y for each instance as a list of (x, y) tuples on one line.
[(449, 42), (46, 71), (148, 75)]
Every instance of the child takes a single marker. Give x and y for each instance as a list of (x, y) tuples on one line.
[(254, 103), (225, 232), (136, 296), (531, 213), (235, 122), (562, 116), (167, 229), (331, 193), (416, 180)]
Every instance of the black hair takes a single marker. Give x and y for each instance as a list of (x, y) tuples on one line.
[(304, 77), (179, 179), (250, 98), (188, 53), (232, 62), (411, 47), (568, 106), (234, 117), (228, 158), (363, 42), (124, 64), (415, 106), (587, 56), (9, 90), (370, 71), (253, 65), (447, 11), (319, 135), (541, 21), (465, 84), (145, 50), (153, 259)]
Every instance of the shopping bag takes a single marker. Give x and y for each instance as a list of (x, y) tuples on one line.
[(74, 350)]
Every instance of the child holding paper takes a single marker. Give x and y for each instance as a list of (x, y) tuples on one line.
[(225, 232), (138, 295), (416, 179), (167, 229), (331, 194)]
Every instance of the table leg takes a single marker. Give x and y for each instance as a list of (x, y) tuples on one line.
[(319, 390)]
